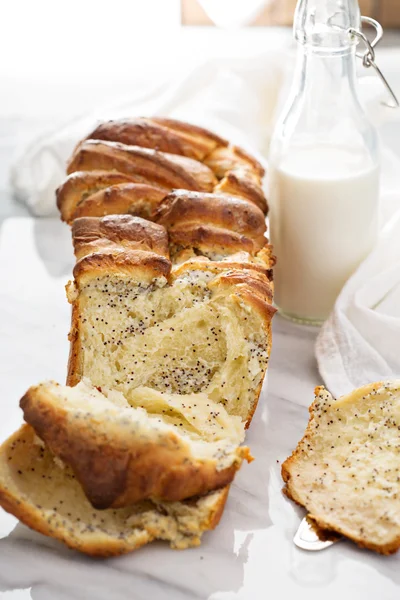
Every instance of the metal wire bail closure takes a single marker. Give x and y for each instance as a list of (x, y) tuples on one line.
[(368, 57)]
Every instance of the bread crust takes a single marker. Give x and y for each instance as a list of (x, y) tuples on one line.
[(137, 199), (144, 165), (91, 234), (239, 183), (162, 153), (90, 541), (100, 193), (228, 158), (263, 262), (121, 244), (79, 185), (209, 241), (139, 265), (118, 466), (166, 135), (296, 456), (211, 219), (193, 130)]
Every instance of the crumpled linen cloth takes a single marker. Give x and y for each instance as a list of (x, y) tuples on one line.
[(360, 341)]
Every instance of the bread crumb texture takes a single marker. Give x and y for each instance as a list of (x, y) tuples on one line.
[(185, 338), (346, 469)]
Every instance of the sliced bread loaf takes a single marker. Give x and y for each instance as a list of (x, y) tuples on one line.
[(346, 469)]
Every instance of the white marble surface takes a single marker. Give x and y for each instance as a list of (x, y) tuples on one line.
[(251, 555)]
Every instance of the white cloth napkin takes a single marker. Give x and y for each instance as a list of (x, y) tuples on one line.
[(360, 342), (235, 98)]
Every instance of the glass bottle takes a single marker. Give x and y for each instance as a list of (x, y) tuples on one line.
[(324, 167)]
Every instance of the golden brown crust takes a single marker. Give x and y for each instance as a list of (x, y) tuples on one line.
[(93, 234), (120, 244), (209, 241), (144, 165), (114, 465), (75, 357), (251, 285), (70, 529), (252, 282), (212, 223), (226, 212), (239, 183), (158, 152), (290, 489), (263, 262), (139, 199), (139, 265), (165, 135), (79, 185), (225, 159)]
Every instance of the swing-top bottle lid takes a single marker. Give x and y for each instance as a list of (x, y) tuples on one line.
[(326, 23)]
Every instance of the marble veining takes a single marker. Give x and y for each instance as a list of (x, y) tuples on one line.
[(250, 556)]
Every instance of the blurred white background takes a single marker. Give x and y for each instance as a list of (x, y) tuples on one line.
[(61, 59), (58, 52)]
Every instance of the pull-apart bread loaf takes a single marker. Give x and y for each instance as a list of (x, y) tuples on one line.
[(130, 166), (170, 340), (346, 469), (173, 363)]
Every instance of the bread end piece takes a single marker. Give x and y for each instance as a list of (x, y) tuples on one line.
[(44, 495), (121, 454), (346, 469)]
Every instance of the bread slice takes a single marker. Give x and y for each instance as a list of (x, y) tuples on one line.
[(45, 495), (166, 135), (346, 469), (212, 225), (143, 164), (246, 185), (112, 235), (204, 327), (100, 193), (163, 447)]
